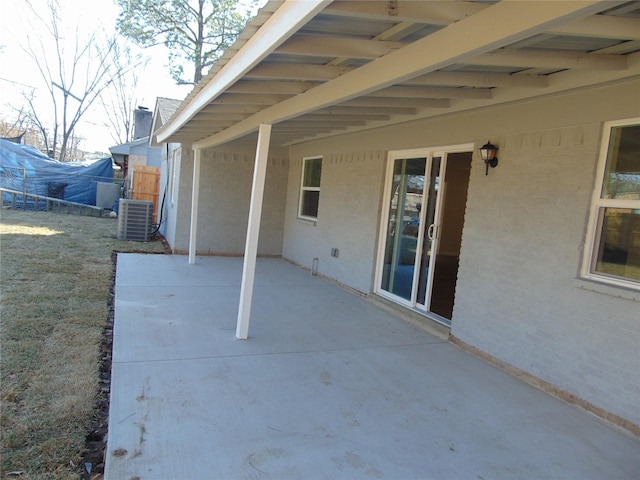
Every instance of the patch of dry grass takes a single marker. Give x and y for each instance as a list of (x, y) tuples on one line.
[(56, 276)]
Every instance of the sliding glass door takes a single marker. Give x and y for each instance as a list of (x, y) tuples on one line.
[(432, 202), (412, 226), (403, 226)]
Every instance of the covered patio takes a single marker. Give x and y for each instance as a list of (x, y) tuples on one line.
[(328, 385)]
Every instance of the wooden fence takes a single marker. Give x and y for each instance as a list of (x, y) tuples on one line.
[(145, 185)]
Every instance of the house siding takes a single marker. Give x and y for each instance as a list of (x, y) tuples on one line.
[(519, 296)]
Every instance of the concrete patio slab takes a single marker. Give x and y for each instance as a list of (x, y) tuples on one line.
[(328, 386)]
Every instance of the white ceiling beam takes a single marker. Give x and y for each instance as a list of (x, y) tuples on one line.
[(282, 137), (293, 126), (603, 26), (312, 129), (204, 124), (399, 31), (479, 79), (249, 99), (433, 92), (211, 117), (432, 13), (390, 102), (332, 122), (200, 126), (456, 43), (256, 86), (313, 117), (560, 82), (325, 124), (319, 46), (345, 110), (306, 133), (197, 136), (546, 59), (214, 109), (395, 33), (281, 25), (296, 71), (622, 48)]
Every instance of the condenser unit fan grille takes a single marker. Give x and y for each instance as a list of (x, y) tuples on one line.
[(134, 220)]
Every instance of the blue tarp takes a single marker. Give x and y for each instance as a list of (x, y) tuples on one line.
[(25, 169)]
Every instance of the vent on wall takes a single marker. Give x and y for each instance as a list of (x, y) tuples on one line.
[(134, 220)]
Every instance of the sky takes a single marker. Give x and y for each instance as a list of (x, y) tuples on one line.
[(18, 72)]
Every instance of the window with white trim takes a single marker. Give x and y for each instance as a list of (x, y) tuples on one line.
[(613, 246), (310, 188)]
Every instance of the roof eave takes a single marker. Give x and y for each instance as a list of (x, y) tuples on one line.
[(281, 25)]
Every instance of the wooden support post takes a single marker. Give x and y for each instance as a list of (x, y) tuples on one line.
[(253, 231), (193, 232)]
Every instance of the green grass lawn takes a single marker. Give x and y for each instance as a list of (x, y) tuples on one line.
[(56, 276)]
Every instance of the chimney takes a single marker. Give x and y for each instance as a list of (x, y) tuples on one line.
[(142, 122)]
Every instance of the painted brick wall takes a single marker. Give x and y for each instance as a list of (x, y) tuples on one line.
[(162, 194), (225, 191), (518, 297), (179, 211), (348, 214)]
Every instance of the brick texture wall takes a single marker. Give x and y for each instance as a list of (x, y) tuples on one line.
[(223, 208), (519, 294), (348, 215)]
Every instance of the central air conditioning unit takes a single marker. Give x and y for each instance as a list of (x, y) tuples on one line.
[(134, 220)]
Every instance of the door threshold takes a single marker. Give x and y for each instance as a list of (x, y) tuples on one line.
[(439, 327)]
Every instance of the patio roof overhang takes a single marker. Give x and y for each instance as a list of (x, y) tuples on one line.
[(317, 68)]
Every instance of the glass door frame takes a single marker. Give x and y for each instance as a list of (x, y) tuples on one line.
[(429, 154), (435, 232)]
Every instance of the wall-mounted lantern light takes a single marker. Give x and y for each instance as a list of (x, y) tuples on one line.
[(488, 154)]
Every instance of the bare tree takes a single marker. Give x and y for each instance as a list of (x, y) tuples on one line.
[(28, 111), (16, 123), (75, 70), (20, 121), (119, 100)]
